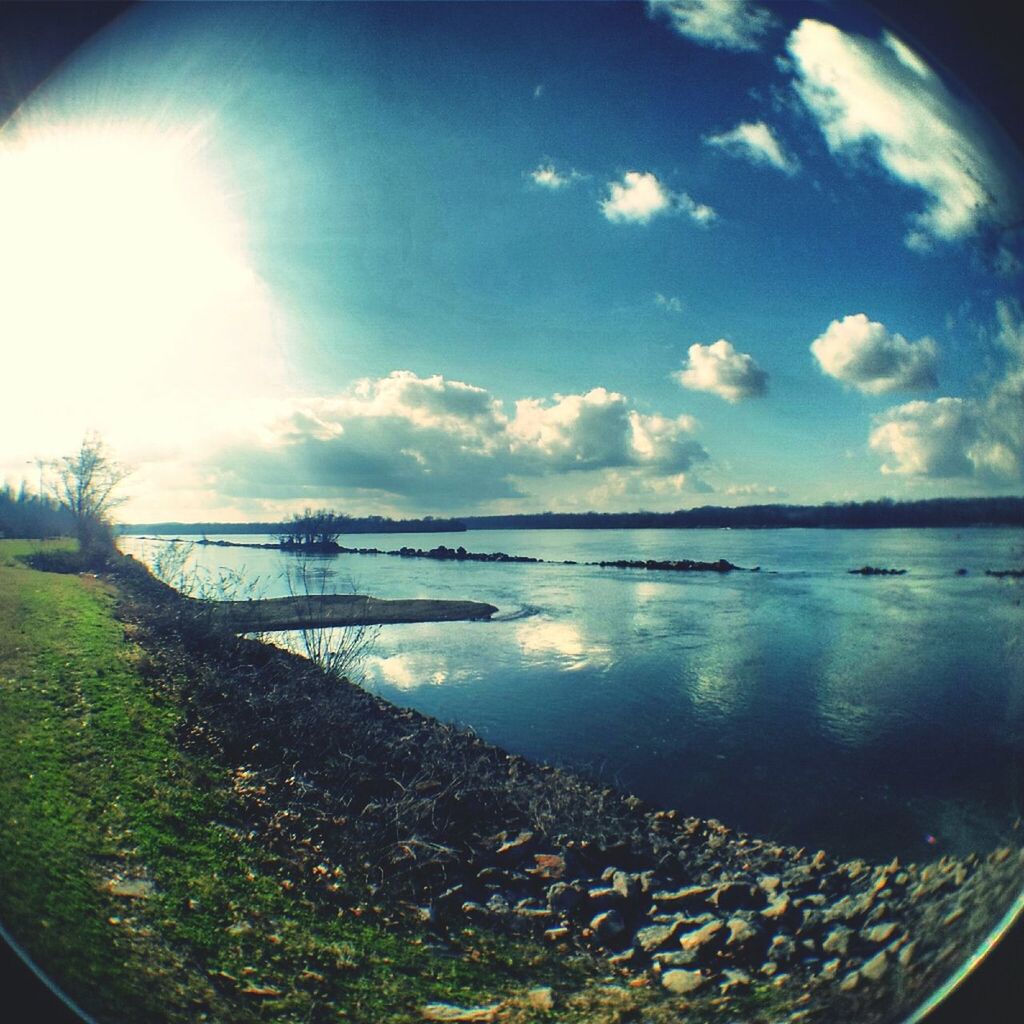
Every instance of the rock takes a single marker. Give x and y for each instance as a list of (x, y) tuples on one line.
[(655, 936), (607, 926), (603, 898), (733, 979), (778, 908), (549, 866), (782, 949), (829, 970), (627, 885), (849, 907), (768, 969), (741, 932), (556, 934), (700, 937), (734, 895), (531, 909), (769, 883), (837, 940), (681, 983), (625, 958), (878, 933), (447, 1012), (676, 958), (690, 894), (541, 998), (498, 906), (131, 888), (876, 967), (562, 897), (513, 849), (906, 955), (850, 982)]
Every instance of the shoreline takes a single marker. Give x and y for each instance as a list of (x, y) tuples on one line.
[(468, 835)]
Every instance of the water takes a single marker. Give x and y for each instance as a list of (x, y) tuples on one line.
[(872, 716)]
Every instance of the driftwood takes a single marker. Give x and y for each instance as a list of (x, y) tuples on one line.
[(302, 612)]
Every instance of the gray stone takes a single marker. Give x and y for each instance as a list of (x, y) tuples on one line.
[(607, 925), (689, 894), (655, 936), (778, 908), (676, 958), (700, 937), (741, 932), (733, 895), (838, 940), (626, 885), (513, 849), (879, 933), (563, 897), (782, 949), (733, 979), (682, 983), (876, 967), (603, 898)]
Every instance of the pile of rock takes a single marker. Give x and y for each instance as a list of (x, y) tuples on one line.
[(781, 917)]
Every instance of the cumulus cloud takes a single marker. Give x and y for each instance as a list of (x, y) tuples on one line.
[(864, 354), (548, 176), (980, 438), (640, 196), (723, 371), (755, 141), (723, 24), (598, 430), (881, 100), (437, 443)]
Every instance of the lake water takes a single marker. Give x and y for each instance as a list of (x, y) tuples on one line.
[(872, 716)]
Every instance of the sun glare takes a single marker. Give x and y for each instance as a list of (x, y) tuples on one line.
[(126, 280)]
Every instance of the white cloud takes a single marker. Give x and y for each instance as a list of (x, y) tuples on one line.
[(881, 100), (754, 491), (980, 438), (598, 430), (755, 141), (723, 371), (723, 24), (548, 176), (432, 443), (669, 303), (864, 354), (641, 196)]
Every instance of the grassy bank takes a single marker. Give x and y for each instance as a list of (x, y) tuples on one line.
[(127, 869)]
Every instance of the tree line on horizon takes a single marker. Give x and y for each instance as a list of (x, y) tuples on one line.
[(313, 527)]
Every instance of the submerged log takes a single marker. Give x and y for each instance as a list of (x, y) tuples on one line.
[(304, 612)]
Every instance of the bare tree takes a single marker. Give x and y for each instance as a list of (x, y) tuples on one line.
[(86, 484)]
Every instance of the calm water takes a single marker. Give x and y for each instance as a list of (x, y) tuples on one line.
[(861, 714)]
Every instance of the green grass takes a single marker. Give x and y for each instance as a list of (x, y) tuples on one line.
[(94, 787)]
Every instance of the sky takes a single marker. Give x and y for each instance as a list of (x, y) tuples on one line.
[(417, 258)]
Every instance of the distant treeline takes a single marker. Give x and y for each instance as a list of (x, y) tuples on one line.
[(28, 515), (349, 524), (851, 515), (932, 512)]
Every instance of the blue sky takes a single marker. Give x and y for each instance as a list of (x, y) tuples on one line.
[(441, 258)]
